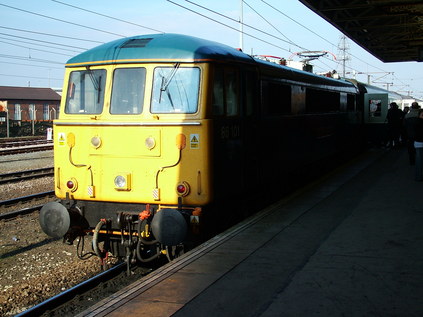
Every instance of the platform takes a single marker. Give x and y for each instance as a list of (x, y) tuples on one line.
[(350, 244)]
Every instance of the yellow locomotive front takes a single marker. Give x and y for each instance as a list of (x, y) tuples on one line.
[(128, 134), (131, 155)]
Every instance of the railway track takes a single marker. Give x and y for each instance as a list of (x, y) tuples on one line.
[(14, 140), (25, 175), (12, 143), (67, 296), (27, 148), (11, 146), (15, 201)]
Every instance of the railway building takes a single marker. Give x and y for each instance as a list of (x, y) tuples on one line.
[(29, 103), (27, 110)]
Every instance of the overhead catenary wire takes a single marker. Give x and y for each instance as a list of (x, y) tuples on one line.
[(234, 20), (26, 58), (268, 22), (244, 24), (310, 30), (33, 77), (318, 35), (29, 65), (34, 49), (277, 30), (228, 26), (41, 41), (60, 20), (49, 34), (293, 20), (11, 42), (108, 16)]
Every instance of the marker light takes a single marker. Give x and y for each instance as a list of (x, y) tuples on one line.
[(96, 142), (183, 189), (72, 184), (150, 143)]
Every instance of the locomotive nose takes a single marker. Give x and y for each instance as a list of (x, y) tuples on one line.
[(54, 219)]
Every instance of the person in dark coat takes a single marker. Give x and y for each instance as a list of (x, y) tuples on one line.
[(410, 120), (418, 145), (395, 119), (404, 137)]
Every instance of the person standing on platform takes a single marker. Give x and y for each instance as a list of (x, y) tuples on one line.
[(404, 138), (394, 118), (410, 121), (418, 145)]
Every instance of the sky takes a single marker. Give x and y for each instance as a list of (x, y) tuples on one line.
[(38, 37)]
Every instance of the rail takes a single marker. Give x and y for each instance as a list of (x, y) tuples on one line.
[(26, 149), (18, 200), (24, 175), (60, 299)]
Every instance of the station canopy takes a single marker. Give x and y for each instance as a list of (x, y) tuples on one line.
[(390, 30)]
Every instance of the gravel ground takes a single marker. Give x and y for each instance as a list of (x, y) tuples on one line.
[(33, 266)]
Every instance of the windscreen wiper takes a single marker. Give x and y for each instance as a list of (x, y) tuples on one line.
[(166, 81), (96, 84)]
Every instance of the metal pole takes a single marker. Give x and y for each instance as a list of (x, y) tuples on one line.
[(241, 26), (7, 122)]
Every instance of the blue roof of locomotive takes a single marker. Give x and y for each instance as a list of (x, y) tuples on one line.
[(157, 48)]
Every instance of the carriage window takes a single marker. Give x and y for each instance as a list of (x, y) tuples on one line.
[(128, 91), (375, 108), (322, 101), (85, 93), (351, 102), (249, 93), (175, 90)]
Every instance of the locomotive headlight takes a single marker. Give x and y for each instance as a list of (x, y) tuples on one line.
[(120, 181), (183, 189), (123, 182), (150, 143)]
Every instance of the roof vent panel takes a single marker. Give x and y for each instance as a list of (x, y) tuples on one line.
[(136, 43)]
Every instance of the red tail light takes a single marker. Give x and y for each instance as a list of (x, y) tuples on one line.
[(72, 184), (182, 189)]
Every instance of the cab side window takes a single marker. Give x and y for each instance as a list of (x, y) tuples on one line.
[(218, 92), (225, 92), (231, 89), (249, 95)]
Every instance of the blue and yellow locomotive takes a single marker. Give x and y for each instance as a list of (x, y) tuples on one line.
[(161, 135)]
